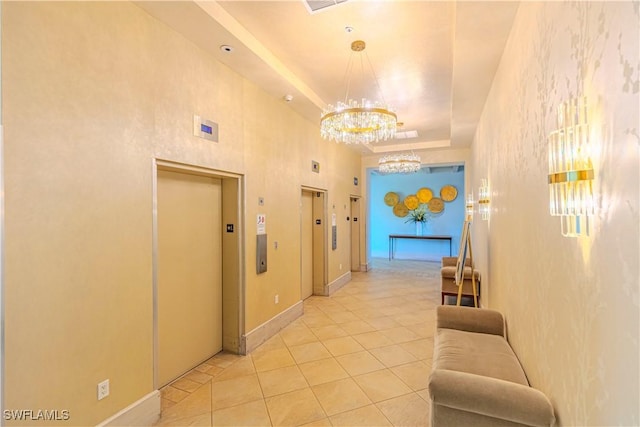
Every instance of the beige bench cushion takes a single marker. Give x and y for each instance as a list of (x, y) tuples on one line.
[(474, 353)]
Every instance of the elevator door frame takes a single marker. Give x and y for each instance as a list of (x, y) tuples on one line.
[(233, 289)]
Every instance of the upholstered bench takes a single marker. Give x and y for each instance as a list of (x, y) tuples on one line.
[(448, 279), (477, 379)]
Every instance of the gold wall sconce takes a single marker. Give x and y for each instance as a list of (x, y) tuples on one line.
[(571, 169), (469, 207), (484, 200)]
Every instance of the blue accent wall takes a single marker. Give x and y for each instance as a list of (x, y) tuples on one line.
[(383, 222)]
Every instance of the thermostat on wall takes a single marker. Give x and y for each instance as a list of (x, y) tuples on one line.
[(205, 129)]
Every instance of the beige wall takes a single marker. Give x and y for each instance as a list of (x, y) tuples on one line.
[(92, 93), (571, 304)]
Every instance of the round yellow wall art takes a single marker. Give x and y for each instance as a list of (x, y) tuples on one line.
[(400, 210), (411, 202), (448, 193), (436, 205), (424, 195), (391, 199)]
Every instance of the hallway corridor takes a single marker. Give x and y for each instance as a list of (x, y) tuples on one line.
[(361, 357)]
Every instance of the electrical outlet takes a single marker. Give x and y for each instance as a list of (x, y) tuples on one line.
[(103, 389), (276, 299)]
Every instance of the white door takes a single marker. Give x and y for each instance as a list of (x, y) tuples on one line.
[(306, 245), (189, 272)]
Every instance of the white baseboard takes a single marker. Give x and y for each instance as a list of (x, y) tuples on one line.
[(365, 267), (257, 336), (144, 412), (338, 283)]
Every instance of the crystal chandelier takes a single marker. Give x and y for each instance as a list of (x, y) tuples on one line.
[(399, 163), (353, 122)]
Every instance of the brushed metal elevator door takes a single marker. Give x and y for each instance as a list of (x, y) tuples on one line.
[(306, 245), (189, 272)]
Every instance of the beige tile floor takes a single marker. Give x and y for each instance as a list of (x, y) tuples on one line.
[(361, 357)]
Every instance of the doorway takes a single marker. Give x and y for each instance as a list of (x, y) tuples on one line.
[(313, 243), (197, 296)]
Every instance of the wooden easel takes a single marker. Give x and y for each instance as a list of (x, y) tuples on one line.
[(465, 245)]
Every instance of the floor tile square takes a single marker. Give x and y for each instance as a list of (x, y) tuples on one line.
[(343, 345), (309, 352), (284, 412), (173, 394), (322, 371), (400, 334), (248, 414), (380, 323), (359, 363), (282, 380), (186, 384), (415, 375), (372, 340), (340, 396), (421, 349), (382, 385), (273, 359), (330, 331), (343, 316), (408, 410), (367, 416), (239, 369), (392, 355), (236, 391), (298, 335), (356, 327)]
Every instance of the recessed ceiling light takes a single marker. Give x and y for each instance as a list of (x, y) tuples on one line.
[(226, 48)]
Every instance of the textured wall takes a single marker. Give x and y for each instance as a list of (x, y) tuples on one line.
[(92, 93), (571, 303)]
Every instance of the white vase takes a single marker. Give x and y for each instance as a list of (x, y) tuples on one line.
[(419, 228)]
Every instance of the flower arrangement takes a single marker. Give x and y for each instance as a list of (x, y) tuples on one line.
[(419, 214)]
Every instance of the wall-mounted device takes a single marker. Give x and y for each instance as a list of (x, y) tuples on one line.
[(261, 253), (206, 129)]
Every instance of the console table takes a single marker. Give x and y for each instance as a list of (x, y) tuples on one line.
[(394, 237)]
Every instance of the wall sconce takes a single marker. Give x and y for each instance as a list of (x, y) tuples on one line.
[(469, 207), (571, 169), (483, 200)]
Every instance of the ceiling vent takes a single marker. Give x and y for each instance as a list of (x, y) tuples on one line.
[(407, 134), (314, 6)]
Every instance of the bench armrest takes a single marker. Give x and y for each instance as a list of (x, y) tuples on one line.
[(449, 261), (470, 319), (490, 397)]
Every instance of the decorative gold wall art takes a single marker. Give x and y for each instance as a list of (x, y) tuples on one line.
[(423, 199), (448, 193), (436, 205), (400, 210), (391, 198), (411, 202), (424, 195)]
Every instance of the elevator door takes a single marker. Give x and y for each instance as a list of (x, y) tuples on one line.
[(306, 245), (355, 234), (189, 272)]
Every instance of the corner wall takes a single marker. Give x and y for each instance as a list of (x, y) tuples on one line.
[(571, 304)]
